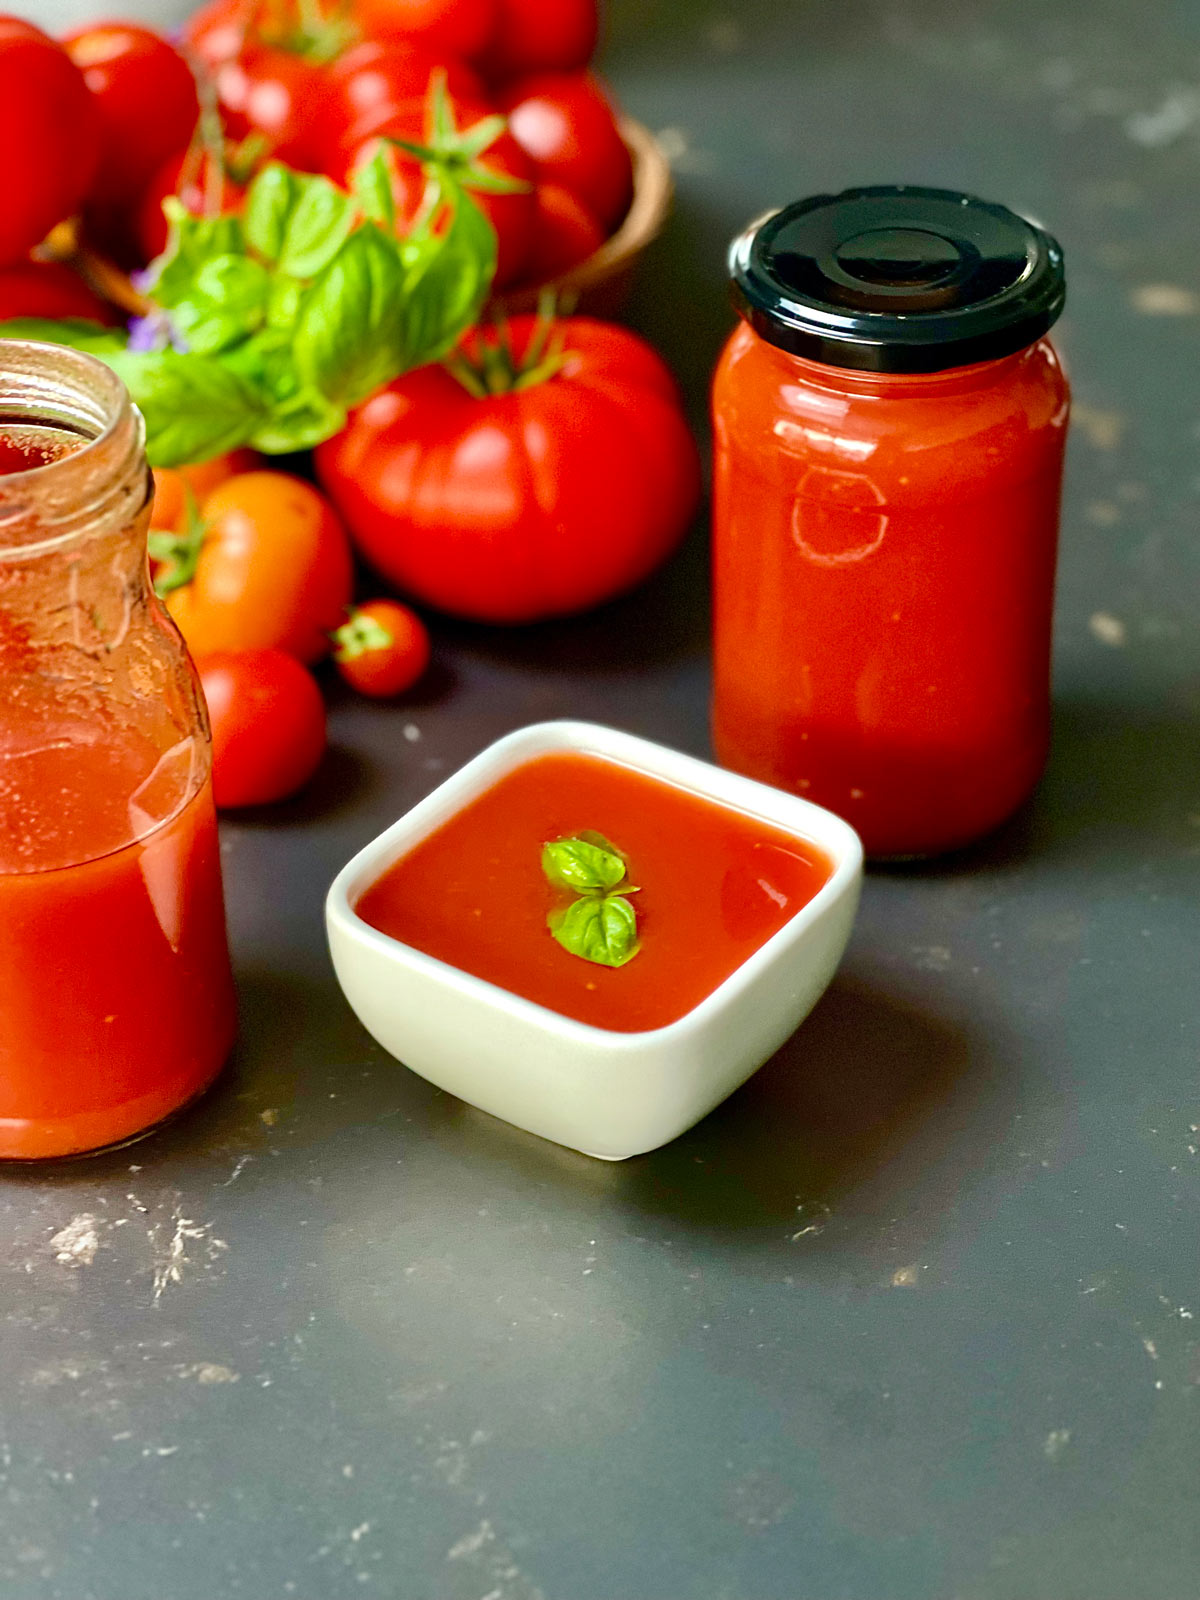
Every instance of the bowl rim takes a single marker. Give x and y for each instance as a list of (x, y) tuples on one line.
[(776, 807)]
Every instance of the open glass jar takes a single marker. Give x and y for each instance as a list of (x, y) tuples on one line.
[(116, 997), (890, 423)]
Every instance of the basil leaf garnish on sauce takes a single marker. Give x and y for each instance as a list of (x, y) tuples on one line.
[(600, 928), (585, 867), (600, 925)]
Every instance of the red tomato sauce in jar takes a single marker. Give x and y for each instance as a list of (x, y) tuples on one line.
[(118, 1005), (890, 429), (714, 885)]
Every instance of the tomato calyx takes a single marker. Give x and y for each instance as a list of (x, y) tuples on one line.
[(493, 367), (456, 150), (359, 635), (178, 554), (310, 29)]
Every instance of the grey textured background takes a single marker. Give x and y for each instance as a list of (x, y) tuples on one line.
[(914, 1316)]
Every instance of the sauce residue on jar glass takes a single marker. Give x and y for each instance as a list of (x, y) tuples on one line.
[(714, 885)]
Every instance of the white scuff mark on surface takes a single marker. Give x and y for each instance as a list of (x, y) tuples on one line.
[(1151, 1349), (1101, 428), (411, 732), (269, 1117), (904, 1277), (239, 1167), (1164, 300), (209, 1372), (1170, 120), (76, 1244), (1108, 629), (360, 1532), (930, 957), (171, 1255), (1057, 1441)]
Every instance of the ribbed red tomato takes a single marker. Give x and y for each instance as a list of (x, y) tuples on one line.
[(565, 125), (537, 502), (146, 97), (48, 134), (564, 233), (541, 36)]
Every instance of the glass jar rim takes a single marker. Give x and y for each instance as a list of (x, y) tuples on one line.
[(57, 499)]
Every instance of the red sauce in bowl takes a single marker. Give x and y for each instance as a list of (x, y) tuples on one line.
[(714, 885)]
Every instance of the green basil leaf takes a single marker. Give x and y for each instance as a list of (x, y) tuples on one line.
[(228, 302), (268, 208), (374, 193), (586, 866), (301, 423), (195, 407), (77, 332), (351, 336), (194, 241), (320, 224), (450, 275), (600, 930)]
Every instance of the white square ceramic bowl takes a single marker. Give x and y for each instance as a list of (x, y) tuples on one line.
[(608, 1094)]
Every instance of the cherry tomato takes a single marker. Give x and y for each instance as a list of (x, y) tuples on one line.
[(269, 567), (190, 180), (382, 649), (146, 97), (533, 503), (378, 79), (217, 31), (565, 125), (511, 215), (541, 36), (49, 289), (268, 725), (48, 135), (463, 27), (564, 233), (171, 485)]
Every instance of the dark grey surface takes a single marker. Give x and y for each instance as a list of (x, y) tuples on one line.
[(909, 1318)]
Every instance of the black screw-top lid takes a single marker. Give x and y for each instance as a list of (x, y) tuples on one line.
[(897, 279)]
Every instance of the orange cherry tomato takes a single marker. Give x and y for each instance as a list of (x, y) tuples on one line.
[(382, 649), (268, 725), (171, 485), (266, 567)]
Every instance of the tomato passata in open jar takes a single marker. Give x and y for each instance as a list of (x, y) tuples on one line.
[(890, 423), (116, 998)]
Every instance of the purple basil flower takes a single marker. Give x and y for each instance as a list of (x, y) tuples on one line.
[(154, 332)]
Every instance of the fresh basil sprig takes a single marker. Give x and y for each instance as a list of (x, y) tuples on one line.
[(600, 925), (267, 327)]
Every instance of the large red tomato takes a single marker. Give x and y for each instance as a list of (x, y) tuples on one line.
[(564, 234), (49, 289), (534, 503), (541, 36), (146, 97), (463, 27), (375, 80), (511, 214), (48, 137), (565, 124)]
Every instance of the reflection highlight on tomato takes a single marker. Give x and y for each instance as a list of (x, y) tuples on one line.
[(553, 473), (565, 124)]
